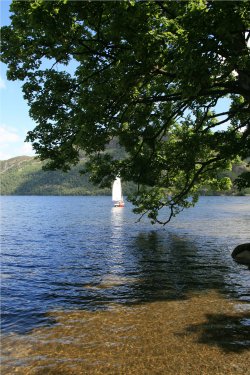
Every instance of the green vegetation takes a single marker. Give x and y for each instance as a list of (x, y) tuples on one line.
[(24, 175), (238, 169), (153, 74)]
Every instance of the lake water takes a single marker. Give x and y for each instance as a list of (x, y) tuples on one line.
[(81, 254)]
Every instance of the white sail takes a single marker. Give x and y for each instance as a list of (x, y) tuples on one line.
[(117, 190)]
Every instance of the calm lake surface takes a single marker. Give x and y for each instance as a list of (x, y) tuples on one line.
[(80, 253)]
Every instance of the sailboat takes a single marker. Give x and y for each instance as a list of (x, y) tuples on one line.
[(117, 197)]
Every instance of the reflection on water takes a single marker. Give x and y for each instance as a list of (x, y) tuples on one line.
[(67, 258), (116, 238)]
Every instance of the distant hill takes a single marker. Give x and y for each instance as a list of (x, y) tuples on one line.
[(23, 175)]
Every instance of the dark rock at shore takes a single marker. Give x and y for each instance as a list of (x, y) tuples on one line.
[(241, 254)]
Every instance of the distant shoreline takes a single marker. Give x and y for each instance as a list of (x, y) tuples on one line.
[(24, 176)]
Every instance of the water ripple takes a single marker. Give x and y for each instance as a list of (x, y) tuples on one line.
[(80, 253)]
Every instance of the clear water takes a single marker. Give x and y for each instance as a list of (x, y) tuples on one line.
[(64, 253)]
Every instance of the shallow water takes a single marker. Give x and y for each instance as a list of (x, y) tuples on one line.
[(202, 335), (78, 255)]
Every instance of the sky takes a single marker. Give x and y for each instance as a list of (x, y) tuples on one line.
[(14, 112)]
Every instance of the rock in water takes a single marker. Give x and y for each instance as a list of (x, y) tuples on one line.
[(241, 254)]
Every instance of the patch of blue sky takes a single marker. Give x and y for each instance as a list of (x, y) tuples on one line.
[(15, 121)]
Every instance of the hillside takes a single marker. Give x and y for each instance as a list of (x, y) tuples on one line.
[(23, 175)]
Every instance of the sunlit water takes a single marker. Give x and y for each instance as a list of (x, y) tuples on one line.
[(80, 254)]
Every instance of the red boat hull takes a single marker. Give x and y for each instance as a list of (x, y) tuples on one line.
[(119, 204)]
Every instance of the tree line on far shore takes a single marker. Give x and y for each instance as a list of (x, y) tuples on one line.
[(25, 176)]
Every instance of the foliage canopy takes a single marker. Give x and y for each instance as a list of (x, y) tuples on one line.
[(148, 73)]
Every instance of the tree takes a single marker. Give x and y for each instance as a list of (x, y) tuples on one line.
[(150, 74)]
